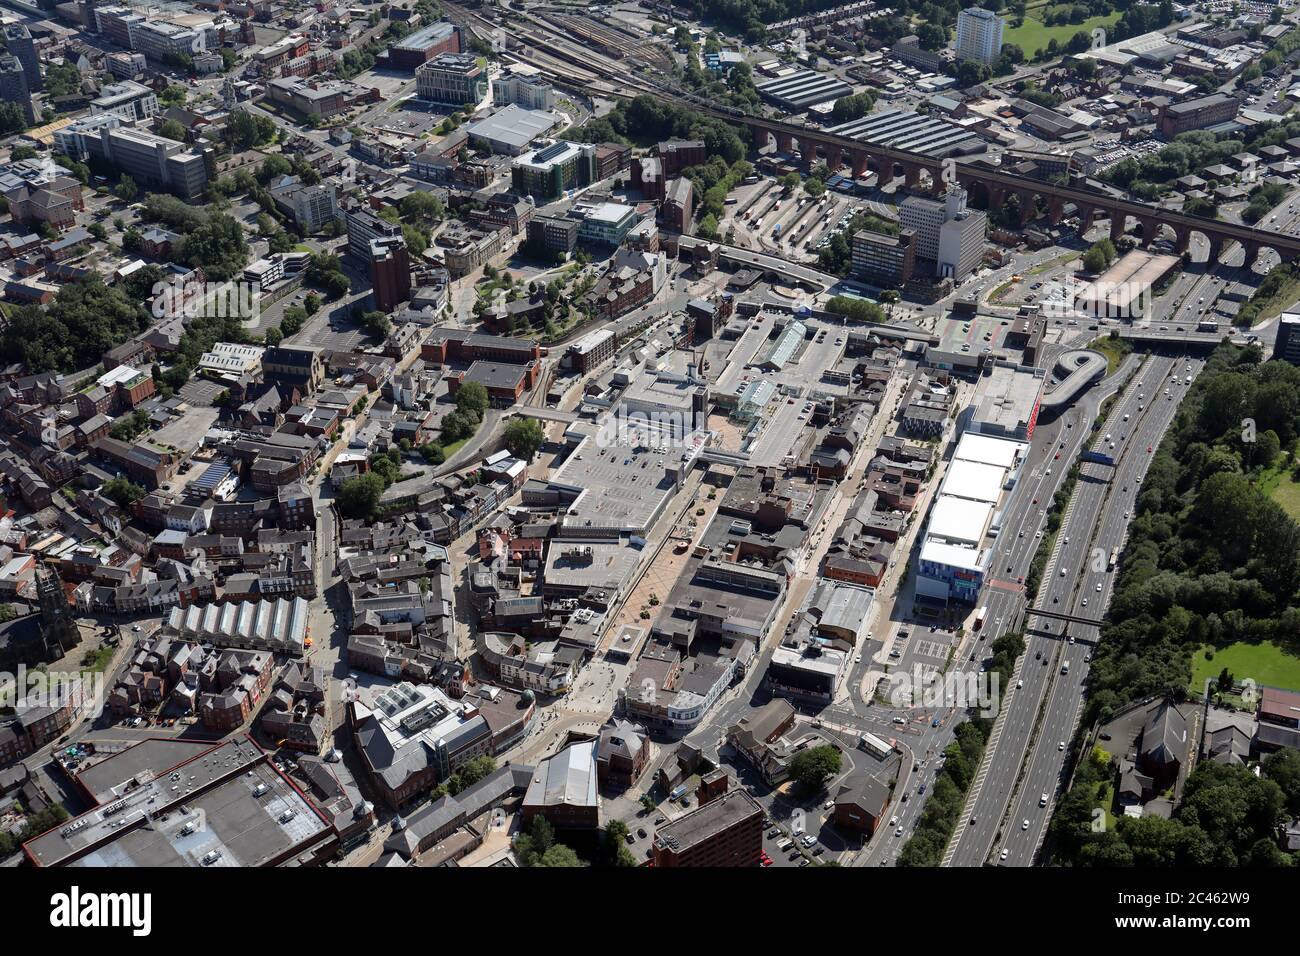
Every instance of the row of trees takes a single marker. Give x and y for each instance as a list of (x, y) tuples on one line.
[(961, 760), (647, 119)]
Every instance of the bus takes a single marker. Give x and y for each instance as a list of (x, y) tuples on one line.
[(874, 745), (980, 615)]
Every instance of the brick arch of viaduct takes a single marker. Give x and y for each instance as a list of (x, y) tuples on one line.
[(865, 160)]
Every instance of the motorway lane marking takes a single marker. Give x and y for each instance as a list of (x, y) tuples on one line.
[(994, 736), (999, 723)]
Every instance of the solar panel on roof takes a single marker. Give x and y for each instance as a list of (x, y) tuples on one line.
[(551, 152)]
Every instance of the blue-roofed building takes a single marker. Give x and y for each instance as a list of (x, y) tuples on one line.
[(219, 480)]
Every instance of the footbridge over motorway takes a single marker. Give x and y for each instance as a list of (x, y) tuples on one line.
[(1058, 616), (996, 185)]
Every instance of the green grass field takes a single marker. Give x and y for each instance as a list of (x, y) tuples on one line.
[(1034, 35), (1287, 494), (1276, 482), (1265, 664)]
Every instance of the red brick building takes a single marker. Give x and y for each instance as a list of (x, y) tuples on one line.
[(726, 831), (505, 384)]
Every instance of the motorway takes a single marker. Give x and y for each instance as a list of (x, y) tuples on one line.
[(1033, 734), (1098, 524)]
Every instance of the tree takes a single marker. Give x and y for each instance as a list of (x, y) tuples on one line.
[(932, 36), (122, 491), (470, 773), (971, 73), (244, 130), (172, 130), (456, 426), (524, 436), (12, 119), (359, 497), (613, 848), (218, 245), (472, 398), (560, 855), (376, 323), (126, 189), (273, 167), (848, 108), (1283, 768), (423, 206), (814, 766), (1225, 681), (130, 427), (326, 272)]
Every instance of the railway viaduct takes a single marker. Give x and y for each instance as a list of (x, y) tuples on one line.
[(979, 178), (996, 185)]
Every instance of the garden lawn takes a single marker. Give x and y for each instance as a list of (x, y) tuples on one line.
[(1266, 664)]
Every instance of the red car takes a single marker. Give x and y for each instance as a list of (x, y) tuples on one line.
[(1058, 456), (1148, 449), (1035, 501)]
